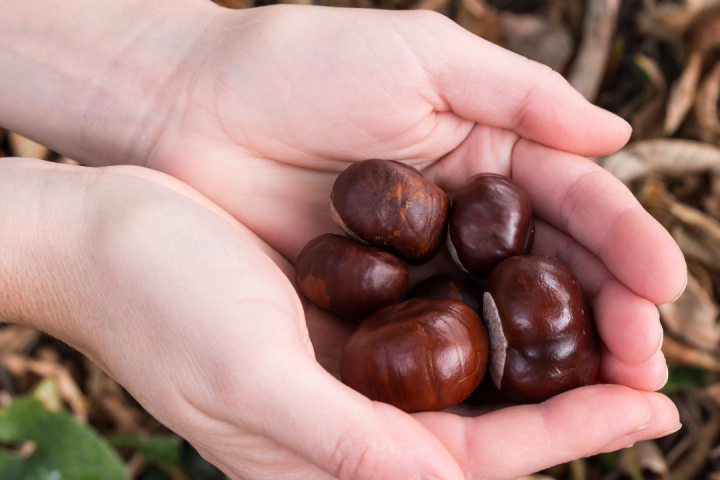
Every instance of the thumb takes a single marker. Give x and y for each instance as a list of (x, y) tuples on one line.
[(344, 433)]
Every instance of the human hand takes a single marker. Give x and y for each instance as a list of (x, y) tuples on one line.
[(266, 106), (292, 97), (196, 317)]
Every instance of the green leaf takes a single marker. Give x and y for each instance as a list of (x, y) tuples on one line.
[(684, 377), (154, 448), (65, 449), (197, 467)]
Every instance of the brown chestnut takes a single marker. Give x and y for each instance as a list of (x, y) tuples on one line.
[(425, 354), (453, 286), (391, 206), (490, 220), (348, 278), (542, 336)]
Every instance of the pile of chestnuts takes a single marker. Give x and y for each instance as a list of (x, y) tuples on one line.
[(428, 348)]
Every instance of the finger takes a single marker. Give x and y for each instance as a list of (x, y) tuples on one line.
[(649, 376), (243, 456), (516, 441), (329, 333), (667, 421), (493, 86), (597, 210), (485, 149), (628, 324), (336, 428)]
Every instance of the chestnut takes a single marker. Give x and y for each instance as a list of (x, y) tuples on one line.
[(453, 286), (348, 278), (490, 220), (391, 206), (542, 336), (424, 354)]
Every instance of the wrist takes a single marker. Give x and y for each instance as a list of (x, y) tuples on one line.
[(38, 215), (95, 80)]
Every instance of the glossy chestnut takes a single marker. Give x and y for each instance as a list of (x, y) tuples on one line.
[(452, 286), (542, 336), (425, 354), (490, 220), (348, 278), (391, 206)]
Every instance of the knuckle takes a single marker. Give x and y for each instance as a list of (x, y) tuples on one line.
[(357, 456)]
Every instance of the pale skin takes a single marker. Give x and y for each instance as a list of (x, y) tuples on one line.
[(184, 293)]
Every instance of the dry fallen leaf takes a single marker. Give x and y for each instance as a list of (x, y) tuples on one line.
[(477, 17), (693, 317), (536, 476), (17, 339), (26, 148), (704, 36), (703, 276), (694, 461), (647, 457), (588, 68), (537, 38), (682, 94), (435, 5), (697, 233), (668, 21), (648, 109), (680, 354), (68, 161), (578, 469), (711, 202), (111, 398), (66, 386), (713, 391), (664, 157), (706, 108), (236, 4), (652, 71)]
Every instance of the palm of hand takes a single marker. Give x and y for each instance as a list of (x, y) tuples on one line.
[(264, 135)]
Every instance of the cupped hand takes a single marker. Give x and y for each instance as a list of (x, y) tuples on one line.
[(262, 112), (195, 316), (290, 95)]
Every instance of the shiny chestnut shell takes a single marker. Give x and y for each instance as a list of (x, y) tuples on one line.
[(490, 220), (542, 335), (452, 286), (425, 354), (391, 206), (348, 278)]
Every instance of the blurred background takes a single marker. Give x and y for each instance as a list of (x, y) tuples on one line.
[(655, 63)]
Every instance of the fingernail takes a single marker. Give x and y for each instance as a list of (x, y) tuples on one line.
[(681, 291), (663, 434), (646, 426), (667, 375), (423, 476), (659, 347)]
